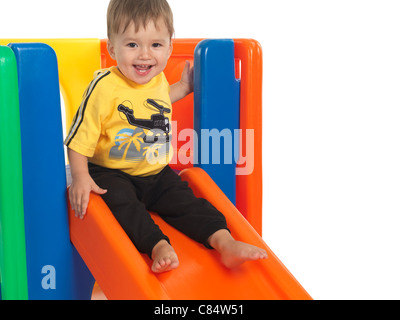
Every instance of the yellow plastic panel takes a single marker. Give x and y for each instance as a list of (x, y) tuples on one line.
[(78, 59)]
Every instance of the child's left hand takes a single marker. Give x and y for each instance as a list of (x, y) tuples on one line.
[(183, 87), (187, 77)]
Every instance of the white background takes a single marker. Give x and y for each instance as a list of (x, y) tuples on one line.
[(331, 113)]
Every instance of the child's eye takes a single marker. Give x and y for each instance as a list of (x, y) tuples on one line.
[(132, 45), (156, 45)]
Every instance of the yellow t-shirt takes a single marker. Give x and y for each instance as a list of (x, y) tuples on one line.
[(123, 125)]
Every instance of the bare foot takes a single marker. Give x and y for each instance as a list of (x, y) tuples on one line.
[(164, 257), (234, 253)]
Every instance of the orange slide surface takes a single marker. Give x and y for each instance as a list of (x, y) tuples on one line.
[(124, 273)]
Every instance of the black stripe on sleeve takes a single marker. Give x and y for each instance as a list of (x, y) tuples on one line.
[(85, 102)]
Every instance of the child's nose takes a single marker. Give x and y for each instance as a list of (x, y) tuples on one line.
[(144, 53)]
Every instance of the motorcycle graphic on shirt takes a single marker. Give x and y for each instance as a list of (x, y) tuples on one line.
[(146, 138), (158, 123)]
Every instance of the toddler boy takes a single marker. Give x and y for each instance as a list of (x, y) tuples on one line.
[(119, 142)]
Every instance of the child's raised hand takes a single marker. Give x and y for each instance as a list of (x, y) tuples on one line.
[(187, 76), (79, 193), (183, 87)]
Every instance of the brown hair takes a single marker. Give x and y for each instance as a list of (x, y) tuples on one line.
[(121, 13)]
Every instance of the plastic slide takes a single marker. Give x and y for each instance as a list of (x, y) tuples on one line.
[(123, 273)]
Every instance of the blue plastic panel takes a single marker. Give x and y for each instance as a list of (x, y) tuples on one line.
[(216, 112), (55, 270)]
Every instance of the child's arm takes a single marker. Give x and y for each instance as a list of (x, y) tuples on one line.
[(82, 183), (183, 87)]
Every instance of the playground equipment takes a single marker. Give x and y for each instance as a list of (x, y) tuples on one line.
[(47, 253)]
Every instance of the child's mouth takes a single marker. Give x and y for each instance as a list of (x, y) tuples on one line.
[(143, 69)]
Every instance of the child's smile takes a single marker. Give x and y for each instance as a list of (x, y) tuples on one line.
[(143, 70)]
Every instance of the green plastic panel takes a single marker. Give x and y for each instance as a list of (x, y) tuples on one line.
[(12, 231)]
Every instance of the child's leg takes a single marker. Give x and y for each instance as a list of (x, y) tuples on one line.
[(175, 203), (198, 219), (123, 199)]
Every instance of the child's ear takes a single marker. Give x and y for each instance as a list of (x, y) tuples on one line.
[(170, 49), (110, 48)]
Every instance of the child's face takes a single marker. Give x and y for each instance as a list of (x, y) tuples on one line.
[(144, 54)]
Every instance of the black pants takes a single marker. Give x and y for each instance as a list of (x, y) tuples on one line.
[(129, 198)]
